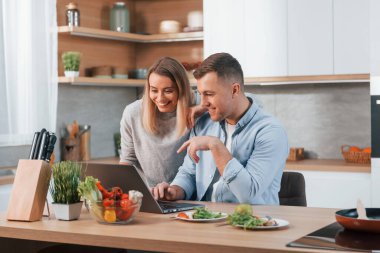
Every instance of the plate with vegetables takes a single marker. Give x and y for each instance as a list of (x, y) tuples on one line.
[(264, 224), (243, 218), (201, 215)]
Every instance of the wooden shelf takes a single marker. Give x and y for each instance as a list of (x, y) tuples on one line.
[(130, 37), (250, 81), (91, 81), (284, 80), (109, 82)]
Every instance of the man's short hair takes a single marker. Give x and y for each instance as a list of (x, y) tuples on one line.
[(225, 66)]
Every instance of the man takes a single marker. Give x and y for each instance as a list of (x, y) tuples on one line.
[(236, 152)]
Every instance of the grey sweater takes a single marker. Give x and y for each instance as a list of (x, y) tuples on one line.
[(155, 155)]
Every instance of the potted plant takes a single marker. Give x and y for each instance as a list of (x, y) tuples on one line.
[(117, 142), (66, 176), (71, 61)]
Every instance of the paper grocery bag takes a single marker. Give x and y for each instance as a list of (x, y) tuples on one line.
[(29, 191)]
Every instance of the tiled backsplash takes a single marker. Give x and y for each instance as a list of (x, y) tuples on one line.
[(321, 117)]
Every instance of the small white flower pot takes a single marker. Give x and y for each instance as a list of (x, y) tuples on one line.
[(70, 73), (67, 211)]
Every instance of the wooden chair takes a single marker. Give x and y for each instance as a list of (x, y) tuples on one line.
[(292, 192)]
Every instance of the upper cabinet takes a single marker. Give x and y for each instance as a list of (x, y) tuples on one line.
[(351, 36), (265, 36), (274, 38), (224, 28), (310, 37)]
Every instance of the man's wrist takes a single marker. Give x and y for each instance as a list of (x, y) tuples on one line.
[(214, 143)]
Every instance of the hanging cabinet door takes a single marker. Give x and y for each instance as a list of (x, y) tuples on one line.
[(266, 38), (310, 37), (224, 28), (351, 36)]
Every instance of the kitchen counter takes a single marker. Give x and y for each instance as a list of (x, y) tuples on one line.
[(158, 232), (332, 165)]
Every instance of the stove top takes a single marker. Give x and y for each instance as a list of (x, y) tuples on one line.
[(335, 237)]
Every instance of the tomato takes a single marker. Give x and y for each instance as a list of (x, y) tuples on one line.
[(124, 213), (108, 202), (124, 196), (183, 215), (125, 203), (117, 191), (110, 215)]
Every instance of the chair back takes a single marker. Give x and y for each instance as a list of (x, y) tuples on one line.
[(292, 192)]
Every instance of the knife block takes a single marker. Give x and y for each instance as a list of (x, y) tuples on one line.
[(29, 190)]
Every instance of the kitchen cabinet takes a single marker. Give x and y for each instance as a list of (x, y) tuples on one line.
[(100, 46), (253, 31), (375, 179), (337, 189), (351, 36), (224, 28), (310, 37), (319, 40), (265, 36)]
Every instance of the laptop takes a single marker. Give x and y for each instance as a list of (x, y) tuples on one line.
[(127, 177)]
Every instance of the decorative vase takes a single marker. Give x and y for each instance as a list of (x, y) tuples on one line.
[(71, 73), (119, 18), (67, 211)]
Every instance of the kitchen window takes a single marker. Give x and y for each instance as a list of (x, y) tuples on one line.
[(28, 69)]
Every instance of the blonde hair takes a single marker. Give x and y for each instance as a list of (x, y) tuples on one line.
[(174, 70)]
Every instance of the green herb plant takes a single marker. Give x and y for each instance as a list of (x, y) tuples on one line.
[(117, 142), (66, 176), (242, 216), (88, 189), (203, 213), (71, 60)]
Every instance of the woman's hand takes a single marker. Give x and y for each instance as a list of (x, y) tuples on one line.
[(194, 112)]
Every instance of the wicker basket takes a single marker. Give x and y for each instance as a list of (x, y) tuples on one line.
[(355, 156), (296, 154)]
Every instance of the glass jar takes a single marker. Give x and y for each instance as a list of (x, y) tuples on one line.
[(119, 18), (72, 15)]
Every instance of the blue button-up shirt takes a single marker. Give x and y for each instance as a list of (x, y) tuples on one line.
[(259, 150)]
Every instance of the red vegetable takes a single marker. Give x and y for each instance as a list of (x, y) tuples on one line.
[(105, 193), (124, 213), (108, 202), (125, 203)]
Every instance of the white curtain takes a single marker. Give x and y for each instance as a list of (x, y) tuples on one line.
[(28, 69)]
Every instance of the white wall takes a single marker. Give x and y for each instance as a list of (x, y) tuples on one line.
[(5, 191)]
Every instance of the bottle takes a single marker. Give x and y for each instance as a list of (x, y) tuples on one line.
[(84, 146), (119, 18), (72, 15)]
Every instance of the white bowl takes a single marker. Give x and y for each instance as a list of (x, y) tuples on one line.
[(170, 26)]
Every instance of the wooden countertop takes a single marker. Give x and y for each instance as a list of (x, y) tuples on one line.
[(335, 165), (332, 165), (158, 232)]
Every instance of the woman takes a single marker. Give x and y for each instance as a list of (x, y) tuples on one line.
[(154, 127)]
